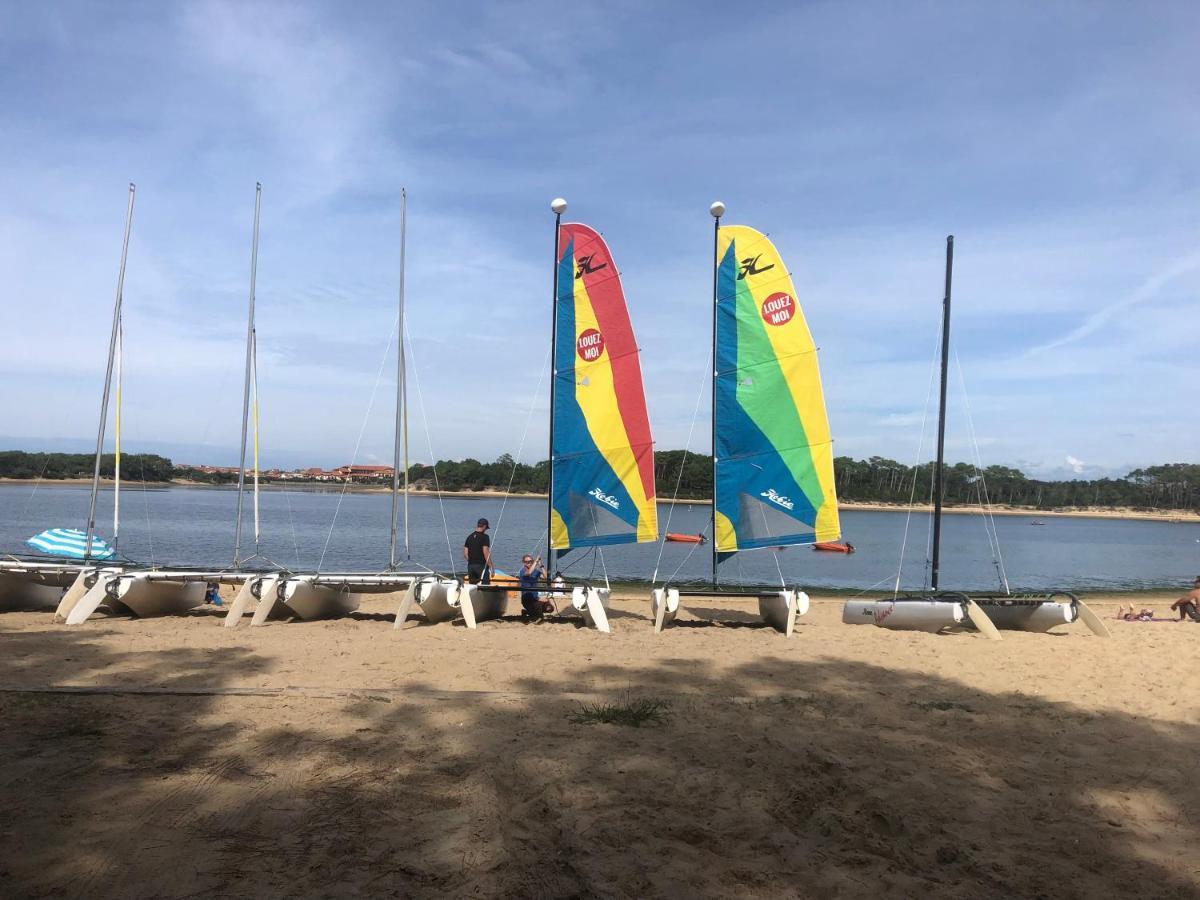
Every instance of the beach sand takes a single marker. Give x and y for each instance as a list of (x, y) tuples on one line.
[(848, 761)]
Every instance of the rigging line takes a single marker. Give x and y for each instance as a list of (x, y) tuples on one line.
[(521, 448), (916, 463), (287, 495), (36, 484), (357, 444), (872, 587), (679, 568), (988, 517), (704, 382), (416, 373), (149, 525)]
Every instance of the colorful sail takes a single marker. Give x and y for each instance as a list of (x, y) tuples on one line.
[(774, 466), (603, 455)]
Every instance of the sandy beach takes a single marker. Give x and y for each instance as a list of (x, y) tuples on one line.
[(346, 758)]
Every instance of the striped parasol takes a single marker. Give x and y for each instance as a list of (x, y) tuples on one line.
[(69, 542)]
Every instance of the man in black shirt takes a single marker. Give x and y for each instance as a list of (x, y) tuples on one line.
[(477, 551)]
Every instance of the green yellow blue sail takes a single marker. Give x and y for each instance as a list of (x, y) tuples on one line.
[(603, 456), (774, 453)]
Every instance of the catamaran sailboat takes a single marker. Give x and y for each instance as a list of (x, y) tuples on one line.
[(601, 490), (99, 577), (936, 610), (773, 483)]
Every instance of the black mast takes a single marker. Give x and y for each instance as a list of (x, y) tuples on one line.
[(717, 210), (559, 206), (941, 445)]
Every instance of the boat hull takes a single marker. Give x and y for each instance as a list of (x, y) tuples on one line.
[(19, 592), (1040, 617), (664, 606), (312, 602), (592, 604), (780, 610), (904, 615)]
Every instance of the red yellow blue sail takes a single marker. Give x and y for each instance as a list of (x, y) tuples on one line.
[(602, 489), (774, 452)]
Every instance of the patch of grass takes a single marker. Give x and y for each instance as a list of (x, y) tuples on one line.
[(633, 713), (942, 705), (82, 728)]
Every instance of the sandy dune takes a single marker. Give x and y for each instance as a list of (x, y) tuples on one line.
[(847, 762)]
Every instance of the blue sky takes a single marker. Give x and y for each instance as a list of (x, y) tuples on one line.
[(1058, 142)]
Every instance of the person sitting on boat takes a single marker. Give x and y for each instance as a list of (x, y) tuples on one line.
[(1189, 604), (533, 606), (477, 551)]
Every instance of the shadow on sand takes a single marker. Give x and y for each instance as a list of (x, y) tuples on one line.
[(843, 779)]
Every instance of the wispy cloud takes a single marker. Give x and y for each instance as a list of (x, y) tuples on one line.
[(1148, 289)]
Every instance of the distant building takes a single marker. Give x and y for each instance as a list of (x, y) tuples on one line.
[(363, 474)]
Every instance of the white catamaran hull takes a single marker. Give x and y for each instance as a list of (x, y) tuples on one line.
[(138, 594), (1040, 617), (311, 602), (780, 610), (21, 592), (592, 604), (664, 606), (477, 605), (904, 615)]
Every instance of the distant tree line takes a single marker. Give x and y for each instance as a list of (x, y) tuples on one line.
[(134, 466), (882, 480), (876, 480)]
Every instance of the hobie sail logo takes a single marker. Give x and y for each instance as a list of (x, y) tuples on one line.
[(778, 309), (586, 267), (778, 499), (749, 266), (589, 345), (606, 499)]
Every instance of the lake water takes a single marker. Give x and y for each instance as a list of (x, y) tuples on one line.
[(306, 529)]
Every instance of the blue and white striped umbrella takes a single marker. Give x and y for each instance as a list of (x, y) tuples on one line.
[(69, 542)]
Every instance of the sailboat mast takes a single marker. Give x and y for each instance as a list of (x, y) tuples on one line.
[(117, 436), (558, 205), (401, 432), (237, 534), (717, 210), (112, 347), (938, 483)]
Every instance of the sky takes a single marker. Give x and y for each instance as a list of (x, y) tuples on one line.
[(1059, 143)]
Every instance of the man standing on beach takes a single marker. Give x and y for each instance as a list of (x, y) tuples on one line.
[(477, 551), (1189, 604)]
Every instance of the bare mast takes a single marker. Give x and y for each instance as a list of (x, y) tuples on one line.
[(717, 210), (400, 441), (112, 348), (250, 374), (939, 485)]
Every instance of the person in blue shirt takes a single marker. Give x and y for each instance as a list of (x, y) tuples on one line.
[(533, 607)]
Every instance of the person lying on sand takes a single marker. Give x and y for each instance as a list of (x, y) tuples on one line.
[(1189, 604), (1145, 615)]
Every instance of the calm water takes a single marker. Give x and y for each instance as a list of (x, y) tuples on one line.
[(194, 526)]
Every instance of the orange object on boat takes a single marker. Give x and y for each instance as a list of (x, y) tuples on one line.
[(834, 546), (686, 538)]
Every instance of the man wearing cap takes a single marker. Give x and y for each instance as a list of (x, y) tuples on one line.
[(477, 551)]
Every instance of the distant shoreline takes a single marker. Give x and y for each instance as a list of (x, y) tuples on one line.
[(1165, 515)]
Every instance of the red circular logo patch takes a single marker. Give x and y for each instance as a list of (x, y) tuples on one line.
[(590, 345), (778, 309)]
